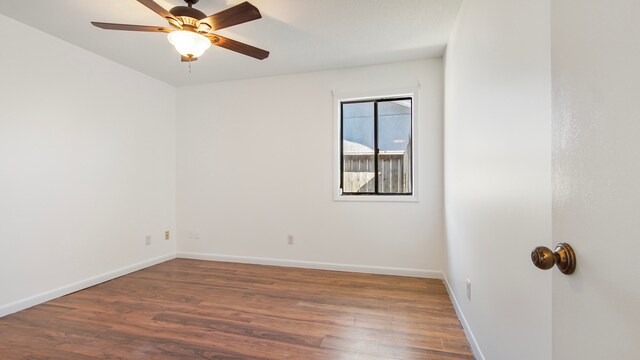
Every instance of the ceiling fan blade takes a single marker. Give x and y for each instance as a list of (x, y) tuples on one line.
[(126, 27), (187, 59), (238, 14), (157, 8), (239, 47)]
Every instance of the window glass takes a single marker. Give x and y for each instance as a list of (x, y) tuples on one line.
[(394, 146), (358, 141)]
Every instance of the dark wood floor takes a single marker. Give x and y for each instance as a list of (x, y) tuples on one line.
[(212, 310)]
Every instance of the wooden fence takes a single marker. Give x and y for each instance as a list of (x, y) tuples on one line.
[(394, 168)]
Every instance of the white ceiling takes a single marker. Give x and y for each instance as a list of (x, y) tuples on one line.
[(302, 35)]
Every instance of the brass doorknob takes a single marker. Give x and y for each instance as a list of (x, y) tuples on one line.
[(563, 256)]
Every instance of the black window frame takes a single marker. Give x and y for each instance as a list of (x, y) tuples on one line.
[(376, 150)]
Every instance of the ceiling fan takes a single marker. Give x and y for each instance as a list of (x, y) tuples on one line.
[(191, 30)]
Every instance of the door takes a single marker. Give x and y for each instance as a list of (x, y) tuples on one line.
[(596, 177)]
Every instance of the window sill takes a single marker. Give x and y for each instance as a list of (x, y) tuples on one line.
[(376, 198)]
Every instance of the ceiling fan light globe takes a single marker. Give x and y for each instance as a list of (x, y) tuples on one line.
[(188, 43)]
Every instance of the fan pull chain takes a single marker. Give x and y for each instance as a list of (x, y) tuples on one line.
[(189, 65)]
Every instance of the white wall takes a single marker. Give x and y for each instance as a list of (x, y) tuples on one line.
[(87, 162), (255, 163), (596, 193), (497, 174)]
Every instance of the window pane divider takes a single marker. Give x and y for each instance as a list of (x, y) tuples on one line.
[(376, 150)]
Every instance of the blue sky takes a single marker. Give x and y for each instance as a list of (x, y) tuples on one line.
[(394, 126)]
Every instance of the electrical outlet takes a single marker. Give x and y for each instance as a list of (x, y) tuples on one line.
[(147, 240), (194, 235), (290, 239), (469, 289), (166, 235)]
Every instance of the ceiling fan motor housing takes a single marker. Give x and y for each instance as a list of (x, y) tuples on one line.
[(187, 12), (188, 18)]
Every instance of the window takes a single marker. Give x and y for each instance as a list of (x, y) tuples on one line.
[(376, 147)]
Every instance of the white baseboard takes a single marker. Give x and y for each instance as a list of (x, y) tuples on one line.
[(382, 270), (467, 330), (79, 285)]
